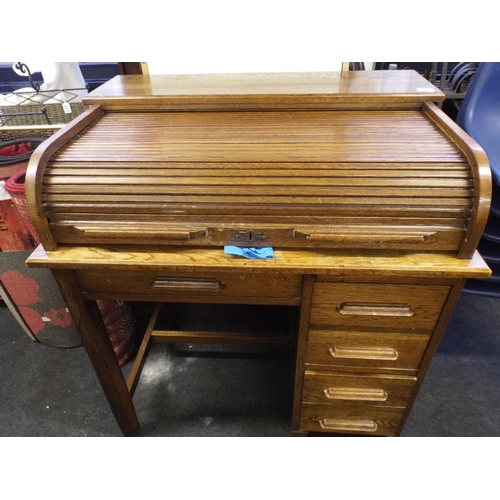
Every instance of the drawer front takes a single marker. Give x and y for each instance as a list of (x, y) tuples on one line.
[(208, 287), (376, 421), (373, 306), (366, 349), (377, 390)]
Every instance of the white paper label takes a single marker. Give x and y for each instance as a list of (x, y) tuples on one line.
[(425, 89), (67, 108)]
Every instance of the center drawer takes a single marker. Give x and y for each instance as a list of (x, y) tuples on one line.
[(368, 306), (186, 287)]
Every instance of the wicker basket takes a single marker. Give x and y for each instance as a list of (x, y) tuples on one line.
[(40, 114), (16, 133), (120, 325)]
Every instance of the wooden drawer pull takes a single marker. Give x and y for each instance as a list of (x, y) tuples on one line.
[(375, 309), (379, 353), (355, 394), (117, 232), (193, 284), (380, 238), (330, 424)]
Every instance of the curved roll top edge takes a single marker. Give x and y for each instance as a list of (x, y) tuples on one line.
[(36, 169), (481, 174)]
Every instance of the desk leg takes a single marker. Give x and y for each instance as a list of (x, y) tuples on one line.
[(95, 338)]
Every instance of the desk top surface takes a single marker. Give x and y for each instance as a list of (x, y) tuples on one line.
[(302, 90), (359, 263)]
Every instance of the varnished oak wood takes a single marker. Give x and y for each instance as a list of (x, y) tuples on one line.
[(36, 169), (387, 351), (190, 176), (193, 287), (376, 89), (140, 358), (482, 178), (203, 337), (375, 421), (378, 306), (300, 349), (373, 200), (323, 262), (376, 389), (88, 321)]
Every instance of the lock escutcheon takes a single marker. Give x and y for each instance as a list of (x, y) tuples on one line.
[(250, 236)]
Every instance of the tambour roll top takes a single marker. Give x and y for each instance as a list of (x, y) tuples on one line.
[(285, 160)]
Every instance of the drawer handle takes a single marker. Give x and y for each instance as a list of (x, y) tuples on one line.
[(379, 353), (355, 237), (375, 309), (159, 233), (330, 424), (193, 284), (354, 394)]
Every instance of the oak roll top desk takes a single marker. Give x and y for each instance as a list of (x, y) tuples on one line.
[(373, 200)]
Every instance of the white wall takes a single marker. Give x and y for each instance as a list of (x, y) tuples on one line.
[(252, 65), (237, 65)]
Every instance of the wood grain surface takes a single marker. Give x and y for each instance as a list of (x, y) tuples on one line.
[(373, 200), (380, 179), (320, 90)]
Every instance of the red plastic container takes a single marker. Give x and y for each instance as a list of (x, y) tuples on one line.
[(15, 155), (15, 187)]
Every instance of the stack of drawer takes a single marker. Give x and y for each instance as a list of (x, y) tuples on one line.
[(365, 346)]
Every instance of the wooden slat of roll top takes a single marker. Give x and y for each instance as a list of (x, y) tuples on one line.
[(449, 220), (241, 125), (283, 119), (263, 120), (61, 183), (249, 169), (262, 134), (262, 201), (318, 192), (270, 153)]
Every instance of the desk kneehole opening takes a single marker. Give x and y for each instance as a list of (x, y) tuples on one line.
[(379, 353)]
